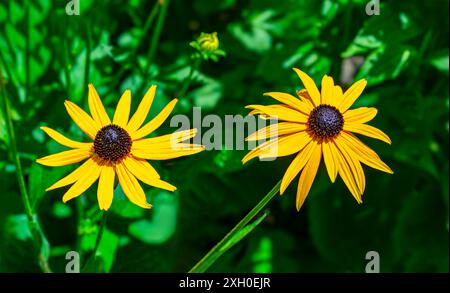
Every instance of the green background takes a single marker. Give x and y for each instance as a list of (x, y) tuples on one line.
[(47, 57)]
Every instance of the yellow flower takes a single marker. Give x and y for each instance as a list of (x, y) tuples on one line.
[(319, 123), (117, 147), (208, 42)]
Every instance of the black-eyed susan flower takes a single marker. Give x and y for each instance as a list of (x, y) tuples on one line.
[(319, 124), (118, 147)]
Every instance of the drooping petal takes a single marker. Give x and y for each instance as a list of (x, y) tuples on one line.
[(160, 152), (123, 110), (142, 110), (156, 122), (278, 129), (75, 175), (329, 159), (281, 113), (136, 165), (307, 177), (83, 183), (82, 119), (131, 187), (96, 107), (310, 86), (297, 165), (346, 174), (290, 101), (352, 94), (65, 158), (279, 147), (145, 173), (367, 130), (62, 140), (327, 90), (353, 163), (360, 115), (105, 191), (364, 153)]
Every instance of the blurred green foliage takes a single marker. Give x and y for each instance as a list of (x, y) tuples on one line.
[(48, 56)]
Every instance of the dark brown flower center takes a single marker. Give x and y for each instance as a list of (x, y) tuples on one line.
[(325, 121), (112, 143)]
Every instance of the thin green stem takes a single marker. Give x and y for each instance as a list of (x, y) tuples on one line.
[(218, 250), (67, 66), (87, 63), (36, 232), (187, 82), (154, 41), (100, 234), (133, 53), (27, 50)]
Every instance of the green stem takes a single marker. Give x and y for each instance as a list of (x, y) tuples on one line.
[(27, 49), (87, 63), (100, 234), (187, 82), (217, 250), (36, 232), (133, 53), (154, 41)]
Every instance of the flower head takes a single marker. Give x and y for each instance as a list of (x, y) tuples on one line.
[(117, 147), (319, 124), (207, 46), (208, 42)]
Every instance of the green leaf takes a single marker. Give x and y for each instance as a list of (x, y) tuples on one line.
[(440, 61), (162, 226), (384, 64)]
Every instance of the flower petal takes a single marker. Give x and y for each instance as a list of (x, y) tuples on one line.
[(96, 107), (310, 86), (131, 187), (337, 96), (83, 183), (360, 115), (297, 165), (62, 140), (156, 122), (367, 130), (146, 173), (281, 113), (105, 191), (165, 140), (75, 175), (82, 119), (307, 177), (346, 174), (142, 110), (290, 101), (351, 95), (329, 159), (65, 158), (353, 163), (364, 153), (279, 147), (123, 109), (277, 129), (161, 152), (306, 99), (327, 90)]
